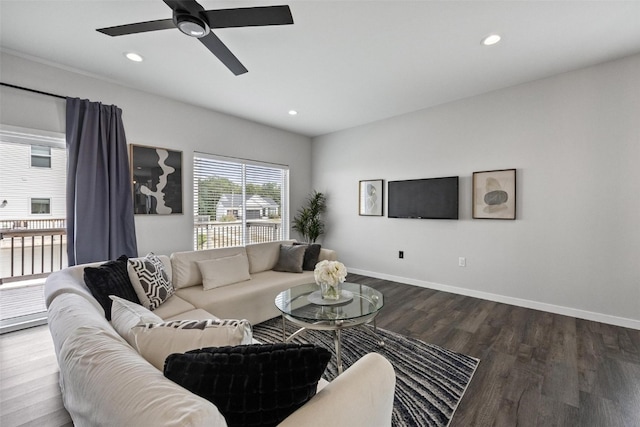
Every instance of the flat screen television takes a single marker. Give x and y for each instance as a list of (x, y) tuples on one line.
[(430, 198)]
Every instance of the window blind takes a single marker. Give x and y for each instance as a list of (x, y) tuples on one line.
[(238, 202)]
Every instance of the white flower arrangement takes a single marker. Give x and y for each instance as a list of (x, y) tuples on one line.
[(331, 273)]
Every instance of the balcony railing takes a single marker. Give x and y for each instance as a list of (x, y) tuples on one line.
[(31, 249), (32, 224), (213, 234)]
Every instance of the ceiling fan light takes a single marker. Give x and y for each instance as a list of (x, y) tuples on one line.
[(192, 26)]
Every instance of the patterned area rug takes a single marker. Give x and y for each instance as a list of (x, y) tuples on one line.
[(430, 380)]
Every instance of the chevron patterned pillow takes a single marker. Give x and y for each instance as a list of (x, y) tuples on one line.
[(150, 280)]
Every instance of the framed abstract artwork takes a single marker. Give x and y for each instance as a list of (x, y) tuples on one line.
[(494, 194), (370, 196), (156, 175)]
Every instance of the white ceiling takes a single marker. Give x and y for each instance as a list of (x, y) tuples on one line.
[(342, 64)]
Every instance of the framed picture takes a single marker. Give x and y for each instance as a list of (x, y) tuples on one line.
[(156, 175), (371, 200), (494, 194)]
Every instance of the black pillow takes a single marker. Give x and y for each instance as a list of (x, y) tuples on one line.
[(110, 278), (251, 385), (311, 255)]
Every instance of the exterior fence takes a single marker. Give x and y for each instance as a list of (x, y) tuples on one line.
[(213, 234), (31, 249), (32, 224)]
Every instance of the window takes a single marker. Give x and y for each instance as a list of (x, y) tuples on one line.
[(40, 156), (33, 183), (40, 206), (237, 202)]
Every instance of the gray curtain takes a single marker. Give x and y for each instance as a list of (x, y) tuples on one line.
[(100, 223)]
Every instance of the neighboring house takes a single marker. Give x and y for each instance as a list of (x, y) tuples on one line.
[(33, 176), (257, 207)]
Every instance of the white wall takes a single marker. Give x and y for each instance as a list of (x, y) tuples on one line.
[(575, 246), (156, 121)]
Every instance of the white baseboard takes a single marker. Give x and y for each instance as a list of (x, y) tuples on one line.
[(23, 322), (536, 305)]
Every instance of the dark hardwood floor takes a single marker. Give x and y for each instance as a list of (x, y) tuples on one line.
[(536, 368)]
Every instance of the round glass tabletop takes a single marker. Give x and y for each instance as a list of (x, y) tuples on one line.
[(295, 302)]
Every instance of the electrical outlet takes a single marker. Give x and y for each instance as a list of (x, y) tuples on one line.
[(401, 254), (462, 262)]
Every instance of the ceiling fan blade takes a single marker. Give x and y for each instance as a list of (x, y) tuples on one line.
[(139, 27), (249, 16), (219, 49), (190, 6)]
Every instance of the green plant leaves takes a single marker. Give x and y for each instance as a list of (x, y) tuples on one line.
[(308, 222)]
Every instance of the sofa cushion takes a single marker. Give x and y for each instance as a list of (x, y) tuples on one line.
[(156, 341), (251, 385), (252, 300), (311, 255), (110, 278), (224, 271), (197, 314), (150, 280), (185, 270), (264, 256), (174, 306), (290, 259), (125, 315)]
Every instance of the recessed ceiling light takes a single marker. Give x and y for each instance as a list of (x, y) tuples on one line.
[(132, 56), (491, 39), (293, 113)]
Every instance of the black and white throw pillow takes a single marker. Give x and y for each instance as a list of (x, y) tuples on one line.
[(150, 281)]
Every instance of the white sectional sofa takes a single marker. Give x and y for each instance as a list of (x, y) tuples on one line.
[(105, 382), (252, 299)]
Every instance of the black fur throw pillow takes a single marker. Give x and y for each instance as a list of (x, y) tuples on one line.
[(110, 278), (251, 385)]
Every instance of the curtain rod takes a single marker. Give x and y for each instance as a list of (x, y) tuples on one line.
[(33, 90)]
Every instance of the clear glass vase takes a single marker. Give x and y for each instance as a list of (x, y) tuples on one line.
[(330, 292)]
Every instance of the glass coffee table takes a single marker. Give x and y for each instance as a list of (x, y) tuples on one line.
[(358, 306)]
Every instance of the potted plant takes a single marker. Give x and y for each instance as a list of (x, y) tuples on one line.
[(308, 222)]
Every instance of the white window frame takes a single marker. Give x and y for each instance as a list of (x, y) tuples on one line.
[(243, 163), (31, 201), (40, 156)]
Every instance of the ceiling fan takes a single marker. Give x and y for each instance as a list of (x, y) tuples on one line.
[(191, 19)]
